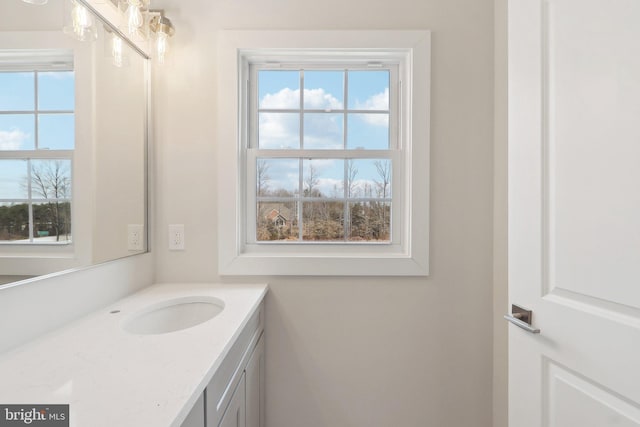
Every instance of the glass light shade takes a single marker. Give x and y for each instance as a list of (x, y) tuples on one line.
[(162, 46), (161, 26), (134, 16), (81, 26), (38, 2)]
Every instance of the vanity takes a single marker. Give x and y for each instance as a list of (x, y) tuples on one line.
[(174, 355)]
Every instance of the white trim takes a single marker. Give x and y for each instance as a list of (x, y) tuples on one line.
[(410, 258)]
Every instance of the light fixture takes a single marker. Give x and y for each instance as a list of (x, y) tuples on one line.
[(81, 26), (162, 27), (38, 2), (135, 20), (142, 25)]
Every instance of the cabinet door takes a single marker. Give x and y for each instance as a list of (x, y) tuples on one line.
[(196, 416), (234, 416), (254, 376)]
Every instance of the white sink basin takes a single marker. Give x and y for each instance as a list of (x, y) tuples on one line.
[(173, 315)]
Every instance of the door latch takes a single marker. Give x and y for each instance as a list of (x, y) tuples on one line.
[(521, 317)]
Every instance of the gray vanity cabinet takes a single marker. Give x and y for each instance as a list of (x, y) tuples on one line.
[(235, 415), (246, 408), (239, 377), (254, 378), (235, 395)]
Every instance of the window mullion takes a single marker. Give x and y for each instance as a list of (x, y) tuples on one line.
[(299, 197), (35, 111), (347, 184), (301, 161), (30, 203)]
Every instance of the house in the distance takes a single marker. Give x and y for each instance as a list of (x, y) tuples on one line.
[(277, 218)]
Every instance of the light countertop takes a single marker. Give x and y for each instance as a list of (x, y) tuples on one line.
[(110, 377)]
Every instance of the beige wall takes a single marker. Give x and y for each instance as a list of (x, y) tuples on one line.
[(347, 352), (500, 304)]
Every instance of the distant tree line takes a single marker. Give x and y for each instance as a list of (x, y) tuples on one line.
[(325, 220), (50, 182), (49, 219)]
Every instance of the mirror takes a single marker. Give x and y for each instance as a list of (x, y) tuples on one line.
[(73, 141)]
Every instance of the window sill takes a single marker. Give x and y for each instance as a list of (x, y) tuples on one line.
[(329, 265)]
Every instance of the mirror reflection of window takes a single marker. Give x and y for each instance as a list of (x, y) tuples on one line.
[(37, 139)]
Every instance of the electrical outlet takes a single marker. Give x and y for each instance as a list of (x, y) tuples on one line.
[(176, 237), (135, 237)]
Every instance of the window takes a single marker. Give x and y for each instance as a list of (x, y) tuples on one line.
[(322, 152), (37, 128), (331, 141)]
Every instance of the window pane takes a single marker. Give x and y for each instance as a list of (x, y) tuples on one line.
[(278, 177), (56, 90), (17, 131), (369, 90), (323, 90), (277, 221), (279, 131), (17, 91), (52, 222), (56, 131), (279, 89), (13, 179), (369, 221), (323, 178), (51, 179), (323, 131), (369, 178), (323, 221), (369, 131), (14, 221)]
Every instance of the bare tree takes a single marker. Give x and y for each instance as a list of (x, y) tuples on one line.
[(311, 181), (263, 177), (352, 172), (51, 180), (384, 172)]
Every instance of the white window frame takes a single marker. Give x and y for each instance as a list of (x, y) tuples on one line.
[(39, 61), (407, 254)]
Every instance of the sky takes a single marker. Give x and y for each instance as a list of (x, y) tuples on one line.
[(56, 131), (323, 91)]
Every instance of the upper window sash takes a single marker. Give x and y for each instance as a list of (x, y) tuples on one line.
[(36, 60), (253, 109)]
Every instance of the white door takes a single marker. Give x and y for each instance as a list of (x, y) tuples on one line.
[(574, 212)]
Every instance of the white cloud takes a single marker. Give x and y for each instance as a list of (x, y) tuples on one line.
[(286, 98), (279, 130), (12, 140), (322, 131), (379, 101), (282, 130), (315, 99), (318, 99)]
